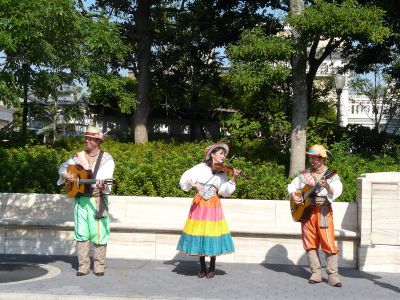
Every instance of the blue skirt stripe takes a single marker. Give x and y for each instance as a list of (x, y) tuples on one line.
[(205, 245)]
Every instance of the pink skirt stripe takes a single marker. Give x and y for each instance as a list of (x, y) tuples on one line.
[(206, 213)]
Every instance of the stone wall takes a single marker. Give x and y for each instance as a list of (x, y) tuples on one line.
[(149, 228), (378, 197)]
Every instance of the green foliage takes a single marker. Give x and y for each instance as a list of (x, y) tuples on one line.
[(9, 94), (48, 45), (278, 132), (347, 19), (11, 139), (29, 169), (111, 91), (257, 60), (350, 166), (153, 169), (366, 142), (320, 130), (237, 128)]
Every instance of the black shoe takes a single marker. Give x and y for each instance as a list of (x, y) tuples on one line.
[(210, 274), (201, 274), (99, 274)]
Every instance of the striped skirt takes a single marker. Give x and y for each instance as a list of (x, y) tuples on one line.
[(206, 232)]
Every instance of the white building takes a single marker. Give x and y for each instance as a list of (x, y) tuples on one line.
[(354, 108), (6, 115)]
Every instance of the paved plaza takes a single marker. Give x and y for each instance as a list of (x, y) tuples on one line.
[(147, 279)]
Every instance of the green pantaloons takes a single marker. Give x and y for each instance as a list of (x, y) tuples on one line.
[(87, 227)]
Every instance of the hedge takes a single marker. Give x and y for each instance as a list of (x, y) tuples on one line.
[(154, 169)]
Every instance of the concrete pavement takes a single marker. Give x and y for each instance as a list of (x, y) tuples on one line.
[(146, 279)]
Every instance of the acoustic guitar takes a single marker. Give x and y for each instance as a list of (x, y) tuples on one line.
[(301, 212), (82, 180)]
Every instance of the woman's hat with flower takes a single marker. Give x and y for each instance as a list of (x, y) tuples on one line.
[(317, 150), (210, 148)]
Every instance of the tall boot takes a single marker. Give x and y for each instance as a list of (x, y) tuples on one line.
[(332, 270), (99, 258), (203, 268), (82, 250), (211, 270), (315, 266)]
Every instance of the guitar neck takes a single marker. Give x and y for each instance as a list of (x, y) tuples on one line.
[(325, 176), (310, 191), (87, 181)]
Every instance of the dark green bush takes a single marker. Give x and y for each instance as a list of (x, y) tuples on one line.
[(29, 169), (154, 169), (350, 166)]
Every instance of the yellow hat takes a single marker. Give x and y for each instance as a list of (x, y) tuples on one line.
[(94, 132), (210, 148), (317, 150)]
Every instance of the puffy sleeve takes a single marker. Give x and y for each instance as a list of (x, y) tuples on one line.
[(189, 175), (337, 187), (227, 187), (295, 185), (106, 172), (63, 170)]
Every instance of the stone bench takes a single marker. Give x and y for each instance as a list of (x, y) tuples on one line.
[(149, 228)]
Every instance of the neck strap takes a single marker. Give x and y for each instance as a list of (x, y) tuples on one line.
[(96, 167)]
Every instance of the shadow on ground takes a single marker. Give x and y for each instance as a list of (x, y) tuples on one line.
[(189, 265)]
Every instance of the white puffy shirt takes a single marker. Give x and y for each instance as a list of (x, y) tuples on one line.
[(299, 182), (105, 171), (202, 174)]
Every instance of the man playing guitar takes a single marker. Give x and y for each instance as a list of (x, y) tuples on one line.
[(318, 229), (91, 218)]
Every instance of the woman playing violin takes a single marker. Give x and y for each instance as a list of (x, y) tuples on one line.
[(206, 231)]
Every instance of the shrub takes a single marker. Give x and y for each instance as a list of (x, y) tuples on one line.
[(350, 166), (154, 169)]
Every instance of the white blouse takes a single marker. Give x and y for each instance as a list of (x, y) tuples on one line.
[(300, 181), (202, 174)]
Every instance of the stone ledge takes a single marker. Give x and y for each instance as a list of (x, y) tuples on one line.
[(343, 234), (149, 228)]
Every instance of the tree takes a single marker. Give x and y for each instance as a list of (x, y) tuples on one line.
[(48, 45), (135, 19), (317, 30), (366, 54), (177, 39), (194, 62)]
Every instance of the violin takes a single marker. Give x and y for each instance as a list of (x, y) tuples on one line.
[(224, 167)]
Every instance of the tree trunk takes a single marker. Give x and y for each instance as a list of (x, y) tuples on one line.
[(55, 120), (25, 69), (142, 20), (299, 112), (195, 128), (312, 72)]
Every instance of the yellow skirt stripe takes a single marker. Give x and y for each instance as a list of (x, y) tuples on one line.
[(206, 228)]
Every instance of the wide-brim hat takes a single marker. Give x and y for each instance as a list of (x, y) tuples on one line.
[(317, 150), (210, 148), (94, 132)]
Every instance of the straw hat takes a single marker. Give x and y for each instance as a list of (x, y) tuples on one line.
[(94, 132), (210, 148), (317, 150)]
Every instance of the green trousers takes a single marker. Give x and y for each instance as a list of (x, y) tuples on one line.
[(87, 227)]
